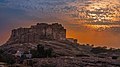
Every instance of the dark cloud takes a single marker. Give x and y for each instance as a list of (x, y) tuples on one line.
[(74, 14), (11, 18)]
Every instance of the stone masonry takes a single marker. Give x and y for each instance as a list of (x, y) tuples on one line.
[(38, 32)]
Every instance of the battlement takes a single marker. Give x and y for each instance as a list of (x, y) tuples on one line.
[(38, 32)]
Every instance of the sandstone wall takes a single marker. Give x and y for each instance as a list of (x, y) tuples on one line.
[(37, 32)]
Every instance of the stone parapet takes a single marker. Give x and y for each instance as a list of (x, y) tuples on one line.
[(38, 32)]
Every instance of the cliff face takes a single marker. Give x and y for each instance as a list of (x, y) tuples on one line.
[(49, 35), (38, 32)]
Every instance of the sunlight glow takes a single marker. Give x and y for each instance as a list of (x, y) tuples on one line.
[(104, 11)]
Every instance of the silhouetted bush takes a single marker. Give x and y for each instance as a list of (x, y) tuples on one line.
[(7, 58), (34, 53), (98, 50), (48, 52), (48, 65), (40, 48), (41, 52), (115, 57), (115, 50)]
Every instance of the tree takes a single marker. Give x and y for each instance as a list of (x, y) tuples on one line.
[(34, 53), (41, 52), (115, 57), (48, 52), (40, 48)]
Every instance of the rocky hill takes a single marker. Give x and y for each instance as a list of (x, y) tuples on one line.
[(75, 62), (49, 35), (38, 32), (66, 52)]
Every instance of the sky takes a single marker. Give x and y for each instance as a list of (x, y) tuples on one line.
[(90, 21)]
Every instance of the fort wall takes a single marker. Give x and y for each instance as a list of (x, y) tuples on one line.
[(38, 32)]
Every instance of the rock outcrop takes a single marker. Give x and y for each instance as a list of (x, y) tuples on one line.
[(49, 35), (75, 62), (38, 32), (66, 52)]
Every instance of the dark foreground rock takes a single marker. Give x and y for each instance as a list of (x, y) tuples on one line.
[(73, 62), (49, 35)]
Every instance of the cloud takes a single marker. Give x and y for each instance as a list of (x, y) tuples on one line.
[(77, 10), (74, 14), (11, 18)]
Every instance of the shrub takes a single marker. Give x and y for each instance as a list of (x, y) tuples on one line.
[(115, 57), (98, 50), (8, 58), (41, 52), (48, 65)]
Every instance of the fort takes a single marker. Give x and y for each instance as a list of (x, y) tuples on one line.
[(37, 32)]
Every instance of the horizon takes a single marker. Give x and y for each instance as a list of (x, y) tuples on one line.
[(94, 22)]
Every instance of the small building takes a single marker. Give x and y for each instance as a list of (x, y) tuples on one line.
[(25, 54), (19, 53), (28, 55)]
